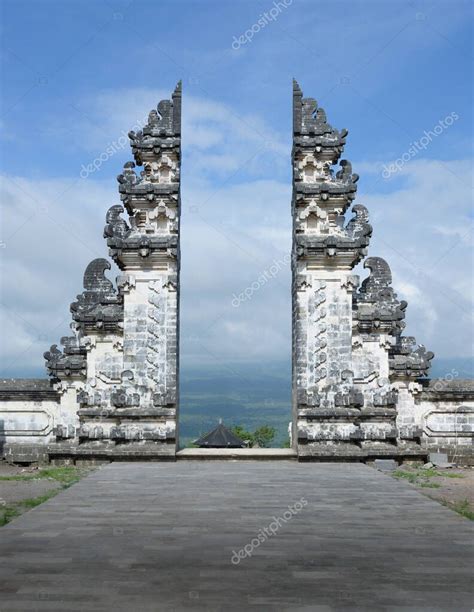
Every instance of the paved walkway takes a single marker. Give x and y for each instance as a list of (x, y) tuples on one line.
[(153, 537)]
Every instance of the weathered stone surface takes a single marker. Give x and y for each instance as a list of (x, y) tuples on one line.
[(385, 465), (348, 348), (122, 363)]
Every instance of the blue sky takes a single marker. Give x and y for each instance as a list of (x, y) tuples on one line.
[(77, 75)]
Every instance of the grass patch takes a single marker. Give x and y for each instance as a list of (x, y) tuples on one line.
[(463, 508), (67, 475), (421, 477), (19, 477), (7, 513), (410, 476), (32, 502), (431, 472)]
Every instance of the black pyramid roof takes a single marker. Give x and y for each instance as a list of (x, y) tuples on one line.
[(220, 437)]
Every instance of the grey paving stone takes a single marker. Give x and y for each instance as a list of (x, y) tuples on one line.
[(154, 536)]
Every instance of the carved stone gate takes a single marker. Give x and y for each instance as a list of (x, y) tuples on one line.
[(360, 390)]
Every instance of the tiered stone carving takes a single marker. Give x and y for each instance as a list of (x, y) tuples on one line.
[(119, 372), (349, 357)]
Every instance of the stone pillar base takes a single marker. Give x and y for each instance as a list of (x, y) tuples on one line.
[(104, 452), (335, 451)]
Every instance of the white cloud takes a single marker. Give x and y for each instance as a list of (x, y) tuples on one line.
[(217, 140), (432, 268)]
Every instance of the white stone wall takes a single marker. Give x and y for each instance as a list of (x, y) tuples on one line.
[(28, 426), (445, 425)]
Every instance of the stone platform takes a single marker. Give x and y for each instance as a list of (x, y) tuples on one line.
[(247, 454), (155, 536)]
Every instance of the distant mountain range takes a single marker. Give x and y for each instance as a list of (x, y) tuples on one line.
[(240, 394)]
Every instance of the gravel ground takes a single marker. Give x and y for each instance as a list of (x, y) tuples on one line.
[(452, 489), (13, 491)]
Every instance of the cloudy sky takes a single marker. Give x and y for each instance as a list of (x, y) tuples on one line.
[(77, 76)]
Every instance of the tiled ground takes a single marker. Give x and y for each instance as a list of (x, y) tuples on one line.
[(159, 536)]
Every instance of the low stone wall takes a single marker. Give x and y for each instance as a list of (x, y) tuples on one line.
[(441, 411), (445, 412), (29, 409)]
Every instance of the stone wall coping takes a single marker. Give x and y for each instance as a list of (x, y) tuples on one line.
[(30, 389)]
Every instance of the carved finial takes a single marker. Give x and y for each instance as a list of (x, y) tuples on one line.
[(310, 123), (380, 276), (53, 355), (116, 226), (359, 224), (94, 276)]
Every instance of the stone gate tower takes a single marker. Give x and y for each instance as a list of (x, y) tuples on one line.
[(350, 361), (121, 364)]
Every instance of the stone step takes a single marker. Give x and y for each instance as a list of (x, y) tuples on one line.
[(237, 453)]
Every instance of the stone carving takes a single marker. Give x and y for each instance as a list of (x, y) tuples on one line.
[(91, 398), (352, 397), (375, 307), (359, 226), (167, 398), (342, 329), (319, 343), (116, 226), (120, 398), (155, 348), (64, 432), (409, 359), (121, 366), (67, 363), (98, 307)]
